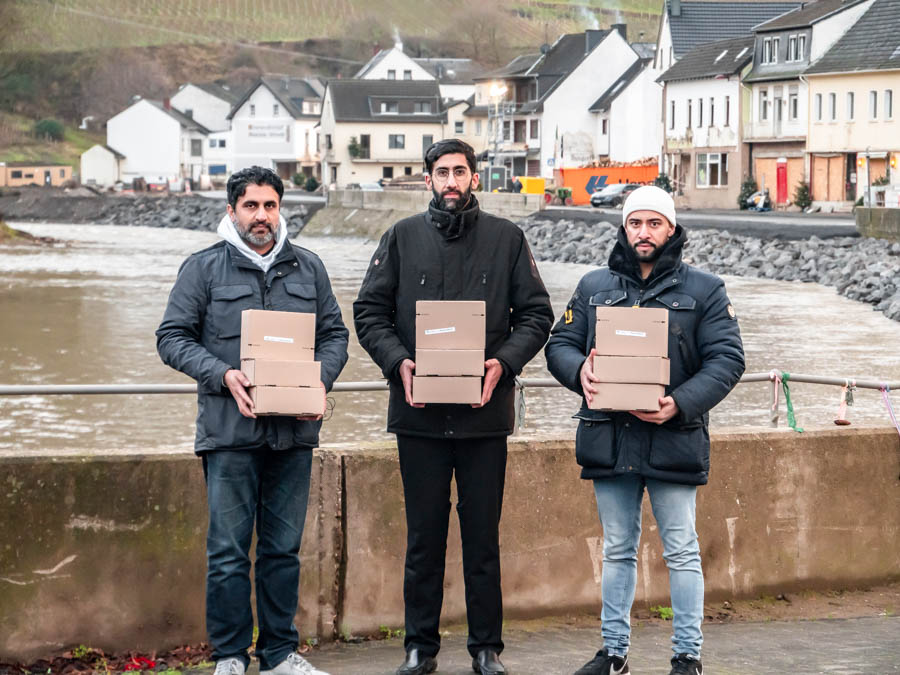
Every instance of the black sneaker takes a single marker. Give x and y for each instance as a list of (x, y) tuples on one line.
[(605, 664), (685, 664)]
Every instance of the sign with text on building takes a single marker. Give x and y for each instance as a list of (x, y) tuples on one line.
[(268, 132)]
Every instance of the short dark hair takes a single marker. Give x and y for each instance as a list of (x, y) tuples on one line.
[(449, 146), (239, 180)]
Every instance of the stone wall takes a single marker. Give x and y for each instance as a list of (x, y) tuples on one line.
[(878, 223), (108, 551)]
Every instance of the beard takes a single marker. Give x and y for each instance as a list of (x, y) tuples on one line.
[(257, 240), (649, 256), (453, 204)]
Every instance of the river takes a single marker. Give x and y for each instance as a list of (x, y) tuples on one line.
[(86, 313)]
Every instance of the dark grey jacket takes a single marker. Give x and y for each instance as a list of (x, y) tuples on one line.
[(471, 255), (706, 360), (200, 336)]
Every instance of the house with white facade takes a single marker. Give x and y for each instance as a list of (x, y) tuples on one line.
[(274, 125), (853, 140), (704, 109), (775, 135), (152, 141), (378, 129), (454, 75), (687, 24), (208, 103), (538, 108), (101, 165)]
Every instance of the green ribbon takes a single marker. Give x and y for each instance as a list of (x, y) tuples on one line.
[(792, 420)]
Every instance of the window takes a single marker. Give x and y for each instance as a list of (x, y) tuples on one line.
[(458, 127), (604, 127), (189, 112), (392, 75), (699, 112), (779, 109), (690, 109), (763, 105), (775, 44), (478, 127), (792, 48), (221, 142), (387, 172), (407, 170), (212, 142), (427, 141), (16, 174), (712, 111), (793, 103), (767, 51), (727, 111), (873, 105), (396, 141), (888, 104), (832, 106), (712, 169), (328, 145), (671, 114), (390, 107), (534, 130), (801, 49), (196, 147), (62, 173), (365, 145), (507, 127), (274, 110), (851, 113), (818, 107), (422, 107), (252, 110), (407, 74)]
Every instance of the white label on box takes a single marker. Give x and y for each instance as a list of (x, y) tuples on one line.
[(631, 333), (438, 331), (272, 338)]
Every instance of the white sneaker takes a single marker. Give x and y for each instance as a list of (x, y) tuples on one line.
[(294, 664), (230, 667)]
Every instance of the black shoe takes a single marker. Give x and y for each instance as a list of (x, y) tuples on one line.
[(488, 663), (685, 664), (417, 664), (605, 663)]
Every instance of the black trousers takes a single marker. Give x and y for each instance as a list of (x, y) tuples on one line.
[(427, 465)]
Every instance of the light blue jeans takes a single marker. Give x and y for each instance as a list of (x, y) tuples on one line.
[(674, 507)]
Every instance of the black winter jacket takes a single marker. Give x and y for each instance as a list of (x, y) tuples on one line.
[(200, 336), (471, 255), (706, 361)]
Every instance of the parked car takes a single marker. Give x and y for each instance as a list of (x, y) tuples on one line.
[(613, 195)]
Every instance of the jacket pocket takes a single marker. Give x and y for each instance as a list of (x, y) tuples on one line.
[(226, 305), (301, 297), (595, 443), (683, 450)]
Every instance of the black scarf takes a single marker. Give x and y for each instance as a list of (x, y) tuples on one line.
[(624, 259), (453, 224)]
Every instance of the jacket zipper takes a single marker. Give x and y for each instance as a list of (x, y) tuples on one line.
[(422, 282)]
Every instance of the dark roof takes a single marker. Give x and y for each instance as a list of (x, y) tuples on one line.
[(564, 56), (702, 22), (224, 92), (180, 117), (618, 87), (807, 14), (646, 50), (872, 43), (118, 154), (451, 71), (358, 100), (518, 66), (723, 57)]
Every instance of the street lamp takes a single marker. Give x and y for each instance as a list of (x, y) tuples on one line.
[(497, 92)]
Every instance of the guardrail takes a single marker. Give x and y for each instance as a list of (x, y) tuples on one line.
[(778, 378)]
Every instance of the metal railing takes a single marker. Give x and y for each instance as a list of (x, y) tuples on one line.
[(776, 377)]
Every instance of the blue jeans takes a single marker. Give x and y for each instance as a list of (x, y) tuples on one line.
[(270, 488), (674, 507)]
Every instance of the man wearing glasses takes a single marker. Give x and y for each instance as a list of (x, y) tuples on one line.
[(667, 451), (453, 251)]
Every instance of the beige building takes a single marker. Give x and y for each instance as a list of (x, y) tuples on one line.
[(20, 174), (374, 130), (854, 130)]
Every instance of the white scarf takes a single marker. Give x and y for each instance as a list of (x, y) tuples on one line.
[(228, 231)]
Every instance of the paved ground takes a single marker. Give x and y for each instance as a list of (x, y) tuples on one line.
[(767, 225), (832, 646)]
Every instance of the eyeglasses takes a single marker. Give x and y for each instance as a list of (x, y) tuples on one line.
[(443, 173)]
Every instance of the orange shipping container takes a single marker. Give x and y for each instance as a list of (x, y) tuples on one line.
[(583, 182)]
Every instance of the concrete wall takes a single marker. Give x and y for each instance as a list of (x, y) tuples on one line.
[(507, 205), (878, 223), (108, 551)]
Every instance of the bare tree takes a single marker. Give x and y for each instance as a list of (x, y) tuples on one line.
[(483, 29), (118, 77)]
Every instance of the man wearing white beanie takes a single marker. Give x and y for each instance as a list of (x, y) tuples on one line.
[(665, 452)]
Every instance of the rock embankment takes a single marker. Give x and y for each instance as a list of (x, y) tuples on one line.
[(867, 270), (190, 212)]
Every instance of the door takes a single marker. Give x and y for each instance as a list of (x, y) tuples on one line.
[(47, 179), (781, 195)]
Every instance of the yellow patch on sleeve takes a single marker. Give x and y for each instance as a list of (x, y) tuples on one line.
[(569, 316)]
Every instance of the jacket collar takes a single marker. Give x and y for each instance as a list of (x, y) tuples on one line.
[(624, 261), (453, 225)]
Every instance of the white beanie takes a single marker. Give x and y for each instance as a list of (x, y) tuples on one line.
[(649, 198)]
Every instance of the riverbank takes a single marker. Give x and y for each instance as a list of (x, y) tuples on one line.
[(866, 270)]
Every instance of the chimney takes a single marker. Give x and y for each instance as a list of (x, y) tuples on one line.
[(167, 104), (623, 30), (285, 81), (592, 38), (675, 8)]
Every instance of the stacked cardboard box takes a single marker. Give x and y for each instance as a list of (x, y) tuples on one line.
[(277, 352), (450, 336), (632, 348)]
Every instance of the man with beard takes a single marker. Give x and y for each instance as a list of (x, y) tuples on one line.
[(256, 468), (453, 251), (666, 452)]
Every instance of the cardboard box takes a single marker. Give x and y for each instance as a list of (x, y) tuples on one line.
[(450, 324), (632, 369), (617, 396), (632, 331), (446, 389), (288, 400), (269, 373), (450, 362), (286, 336)]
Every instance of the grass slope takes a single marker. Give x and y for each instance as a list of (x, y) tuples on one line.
[(17, 144)]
